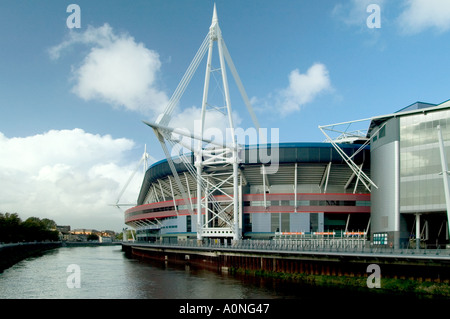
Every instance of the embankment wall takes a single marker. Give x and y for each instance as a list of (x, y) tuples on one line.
[(13, 253)]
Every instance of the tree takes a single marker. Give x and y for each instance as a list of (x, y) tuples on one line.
[(10, 227), (40, 230), (48, 224)]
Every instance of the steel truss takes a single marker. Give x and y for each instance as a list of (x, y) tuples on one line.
[(216, 170), (346, 136)]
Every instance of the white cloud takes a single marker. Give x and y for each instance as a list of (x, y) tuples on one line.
[(303, 88), (117, 70), (189, 119), (215, 127), (69, 176), (419, 15)]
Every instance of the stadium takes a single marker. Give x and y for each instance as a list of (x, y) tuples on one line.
[(313, 191), (385, 182)]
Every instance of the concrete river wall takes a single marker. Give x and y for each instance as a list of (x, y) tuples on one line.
[(421, 266), (13, 253)]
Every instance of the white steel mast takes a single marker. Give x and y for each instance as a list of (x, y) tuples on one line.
[(224, 156), (218, 209)]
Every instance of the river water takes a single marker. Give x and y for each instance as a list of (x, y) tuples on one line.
[(104, 272)]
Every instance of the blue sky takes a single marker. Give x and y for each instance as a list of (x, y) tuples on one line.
[(72, 101)]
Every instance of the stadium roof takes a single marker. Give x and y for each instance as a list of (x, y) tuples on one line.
[(314, 158), (417, 107)]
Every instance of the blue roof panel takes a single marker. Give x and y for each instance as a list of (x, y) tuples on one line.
[(288, 153)]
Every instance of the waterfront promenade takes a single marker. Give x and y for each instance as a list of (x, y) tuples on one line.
[(289, 256), (348, 248)]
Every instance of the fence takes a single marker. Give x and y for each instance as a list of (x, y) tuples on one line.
[(332, 245)]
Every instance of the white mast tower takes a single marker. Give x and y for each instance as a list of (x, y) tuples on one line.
[(225, 156), (218, 190)]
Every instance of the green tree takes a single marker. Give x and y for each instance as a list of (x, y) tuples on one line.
[(10, 226), (40, 230), (48, 224), (12, 229)]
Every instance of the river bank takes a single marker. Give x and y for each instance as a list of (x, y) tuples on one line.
[(404, 275), (11, 254), (89, 243), (398, 286)]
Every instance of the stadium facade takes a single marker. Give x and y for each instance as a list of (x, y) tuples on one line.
[(409, 159), (313, 191), (387, 183)]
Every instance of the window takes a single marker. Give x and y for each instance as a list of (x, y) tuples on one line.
[(285, 222), (420, 184), (382, 132), (275, 222), (362, 203), (188, 224)]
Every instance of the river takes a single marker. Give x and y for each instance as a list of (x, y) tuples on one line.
[(104, 272)]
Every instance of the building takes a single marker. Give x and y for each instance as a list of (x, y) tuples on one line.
[(64, 232), (82, 234), (406, 164), (313, 191), (389, 179)]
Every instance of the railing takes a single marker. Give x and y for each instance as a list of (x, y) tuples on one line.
[(335, 245)]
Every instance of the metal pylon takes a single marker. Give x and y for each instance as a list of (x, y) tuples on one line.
[(221, 220), (216, 169)]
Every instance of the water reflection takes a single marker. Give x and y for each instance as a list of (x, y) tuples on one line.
[(107, 273)]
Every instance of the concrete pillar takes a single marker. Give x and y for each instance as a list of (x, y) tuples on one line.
[(417, 231)]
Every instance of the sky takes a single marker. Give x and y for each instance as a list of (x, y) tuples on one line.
[(73, 96)]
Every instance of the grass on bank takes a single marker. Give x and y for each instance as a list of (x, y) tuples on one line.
[(395, 285)]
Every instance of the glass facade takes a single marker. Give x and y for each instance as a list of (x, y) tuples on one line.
[(421, 184)]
